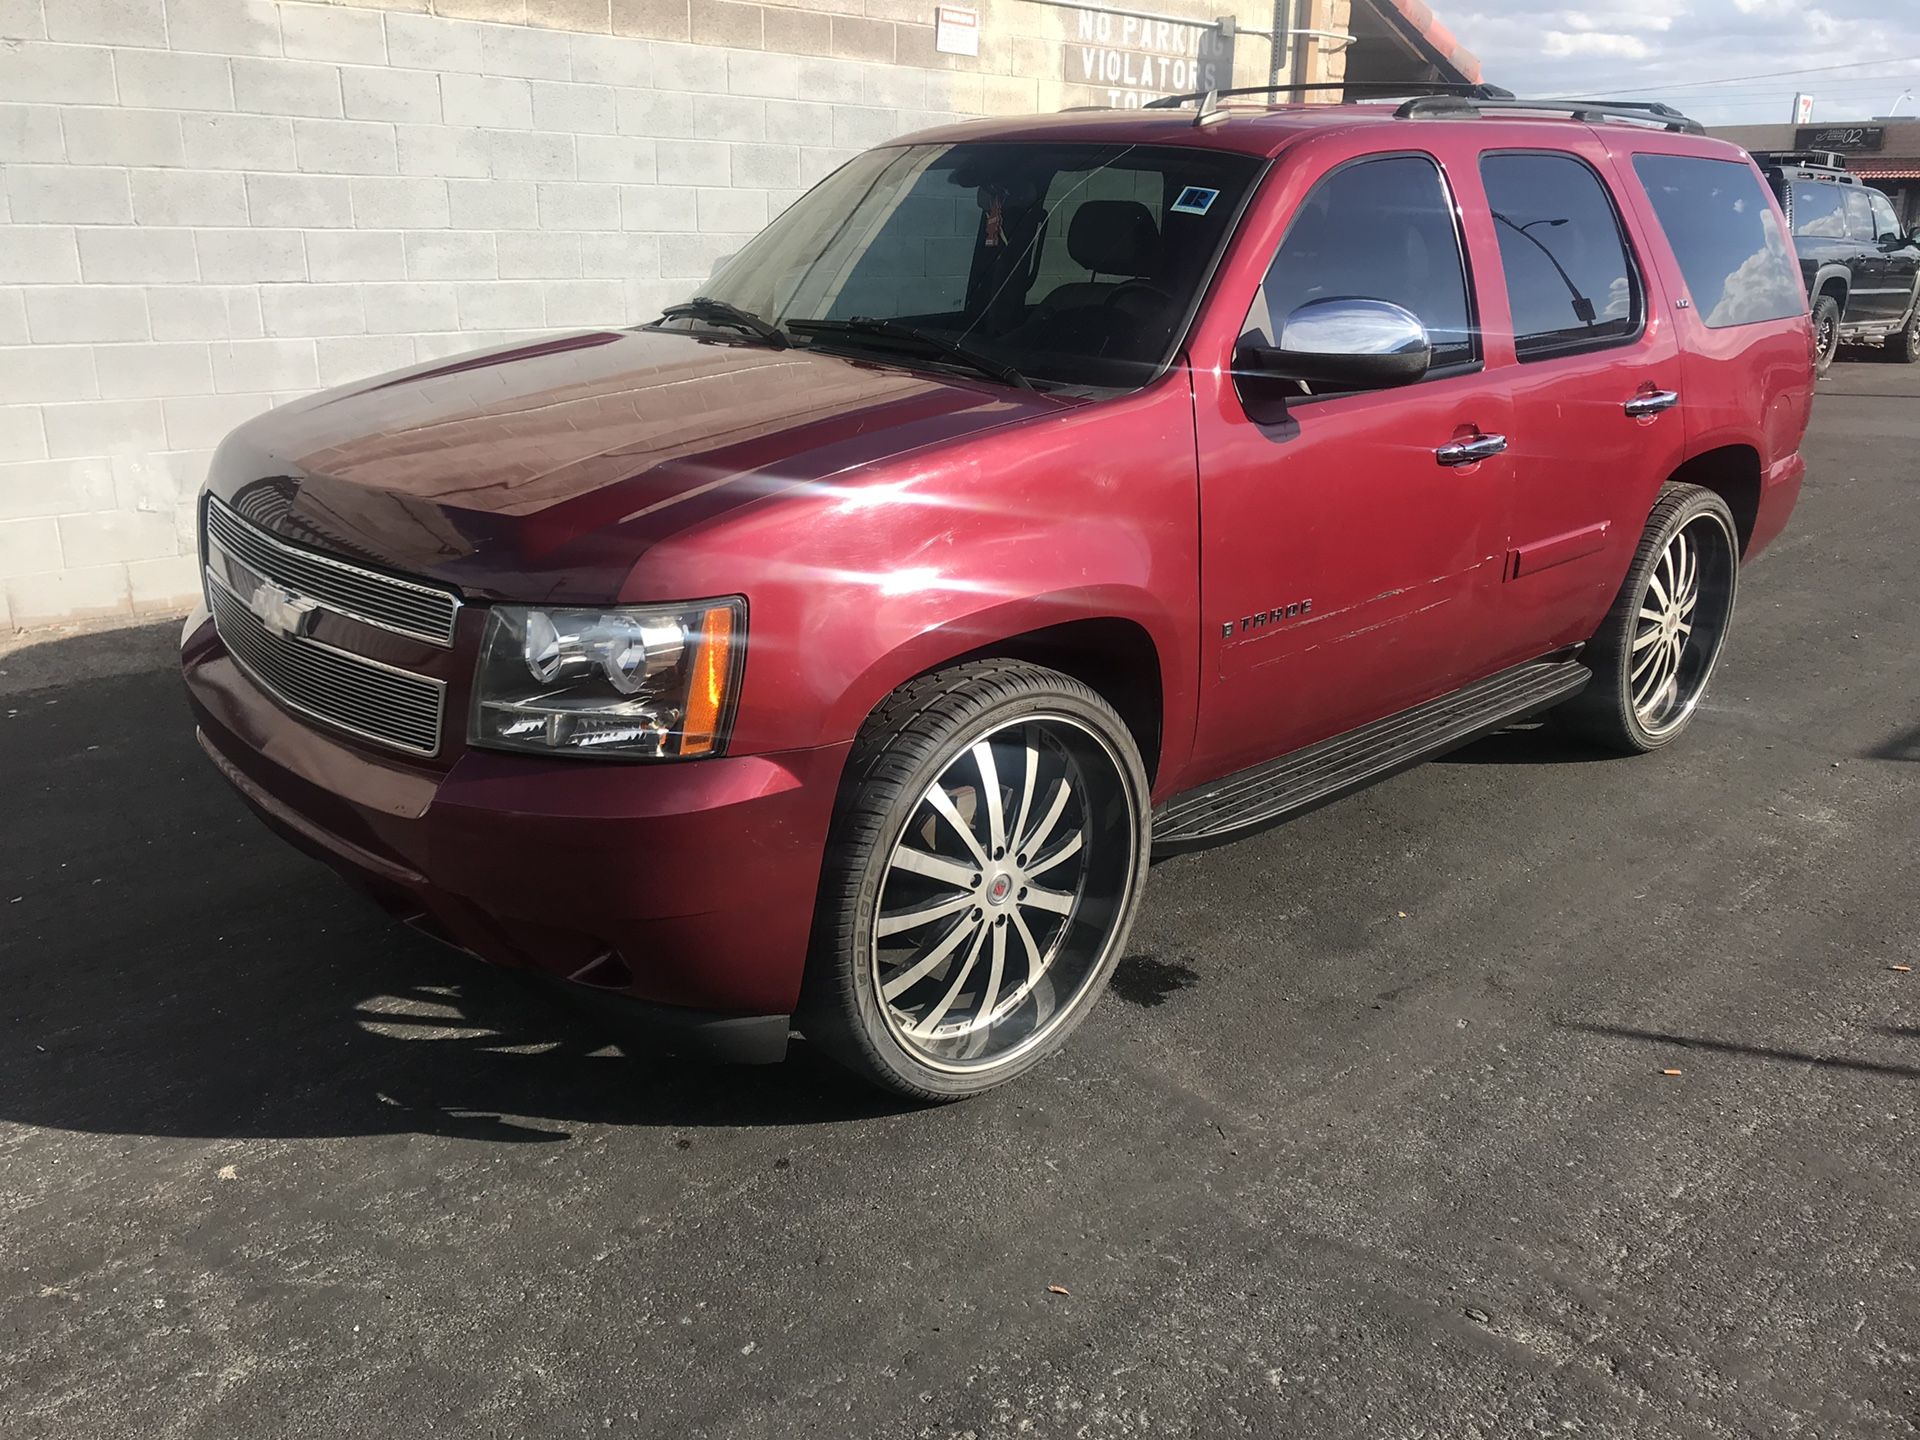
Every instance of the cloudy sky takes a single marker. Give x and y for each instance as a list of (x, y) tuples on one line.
[(1665, 49)]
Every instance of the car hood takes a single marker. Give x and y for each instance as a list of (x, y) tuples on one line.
[(544, 471)]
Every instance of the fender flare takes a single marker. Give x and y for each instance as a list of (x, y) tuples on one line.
[(1823, 276), (976, 631)]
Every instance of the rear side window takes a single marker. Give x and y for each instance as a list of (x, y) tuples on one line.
[(1570, 283), (1819, 211), (1377, 230), (1886, 224), (1859, 215), (1726, 236)]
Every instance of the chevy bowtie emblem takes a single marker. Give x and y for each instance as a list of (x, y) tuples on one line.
[(280, 610)]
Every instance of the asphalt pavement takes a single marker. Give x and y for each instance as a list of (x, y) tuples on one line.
[(1374, 1138)]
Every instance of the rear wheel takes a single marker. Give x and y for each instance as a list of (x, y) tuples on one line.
[(984, 871), (1826, 333), (1653, 655), (1905, 347)]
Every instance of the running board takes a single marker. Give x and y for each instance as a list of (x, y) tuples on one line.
[(1294, 784)]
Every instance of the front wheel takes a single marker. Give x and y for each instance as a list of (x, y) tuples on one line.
[(1654, 653), (983, 873)]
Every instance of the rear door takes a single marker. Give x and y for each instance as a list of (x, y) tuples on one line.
[(1898, 256), (1875, 299), (1739, 310), (1596, 384)]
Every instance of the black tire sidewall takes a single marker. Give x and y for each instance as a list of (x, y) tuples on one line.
[(841, 1009), (1824, 355)]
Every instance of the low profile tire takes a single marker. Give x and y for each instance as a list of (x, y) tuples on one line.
[(984, 868), (1826, 333), (1653, 655)]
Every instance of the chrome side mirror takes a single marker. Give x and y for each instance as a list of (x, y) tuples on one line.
[(1353, 343), (1342, 343)]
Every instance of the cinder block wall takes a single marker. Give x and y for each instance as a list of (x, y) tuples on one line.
[(210, 206)]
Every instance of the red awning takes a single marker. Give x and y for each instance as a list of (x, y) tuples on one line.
[(1885, 169), (1430, 35)]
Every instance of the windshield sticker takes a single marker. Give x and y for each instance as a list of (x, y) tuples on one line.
[(1195, 201)]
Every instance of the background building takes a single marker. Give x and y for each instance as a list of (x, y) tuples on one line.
[(1884, 153), (208, 206)]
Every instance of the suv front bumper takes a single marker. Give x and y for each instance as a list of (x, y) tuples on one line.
[(680, 893)]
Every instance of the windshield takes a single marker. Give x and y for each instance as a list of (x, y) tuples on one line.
[(1065, 264)]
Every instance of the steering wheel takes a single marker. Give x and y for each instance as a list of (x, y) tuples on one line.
[(1125, 287)]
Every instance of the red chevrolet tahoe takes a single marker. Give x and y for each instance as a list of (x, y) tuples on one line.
[(1033, 497)]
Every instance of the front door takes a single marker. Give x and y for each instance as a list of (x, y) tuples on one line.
[(1349, 545)]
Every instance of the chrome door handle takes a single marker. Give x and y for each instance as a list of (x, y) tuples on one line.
[(1652, 403), (1471, 451)]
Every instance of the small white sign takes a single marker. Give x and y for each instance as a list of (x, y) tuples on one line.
[(956, 30)]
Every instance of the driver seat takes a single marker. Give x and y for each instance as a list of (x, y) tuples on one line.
[(1105, 237)]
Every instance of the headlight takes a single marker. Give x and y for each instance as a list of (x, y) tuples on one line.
[(653, 681)]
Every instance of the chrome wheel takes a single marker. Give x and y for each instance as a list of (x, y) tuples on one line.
[(1002, 894), (1681, 623)]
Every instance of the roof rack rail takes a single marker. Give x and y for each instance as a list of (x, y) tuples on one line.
[(1386, 89), (1646, 112), (1823, 159)]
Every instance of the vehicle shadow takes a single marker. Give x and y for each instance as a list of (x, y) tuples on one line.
[(1904, 746), (170, 968), (1758, 1052), (1529, 743)]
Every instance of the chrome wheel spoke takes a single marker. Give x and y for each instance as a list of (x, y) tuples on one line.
[(965, 969), (990, 792), (944, 807), (928, 963), (893, 924), (934, 867), (996, 967), (1029, 777), (1641, 665), (1052, 901), (1647, 638), (1062, 792), (1056, 857)]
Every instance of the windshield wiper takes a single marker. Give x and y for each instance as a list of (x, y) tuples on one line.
[(719, 312), (914, 335)]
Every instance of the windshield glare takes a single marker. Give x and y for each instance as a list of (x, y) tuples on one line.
[(1074, 264)]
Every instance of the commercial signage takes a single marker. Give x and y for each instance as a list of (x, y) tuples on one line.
[(1136, 60), (1840, 137)]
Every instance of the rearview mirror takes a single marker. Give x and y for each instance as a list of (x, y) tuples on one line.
[(1339, 344)]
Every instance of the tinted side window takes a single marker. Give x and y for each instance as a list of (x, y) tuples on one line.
[(1570, 282), (1722, 226), (1859, 216), (1819, 211), (1886, 225), (1379, 230)]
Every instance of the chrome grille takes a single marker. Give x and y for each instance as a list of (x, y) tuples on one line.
[(403, 606), (374, 701)]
